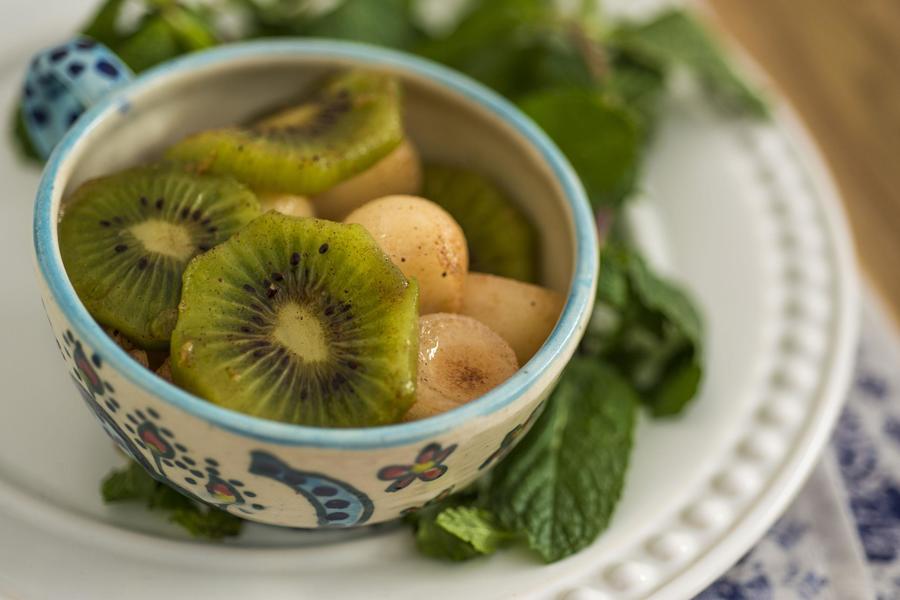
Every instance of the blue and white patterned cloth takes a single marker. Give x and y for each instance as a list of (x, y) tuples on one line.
[(840, 539)]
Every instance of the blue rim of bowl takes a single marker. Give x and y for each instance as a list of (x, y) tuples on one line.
[(563, 337)]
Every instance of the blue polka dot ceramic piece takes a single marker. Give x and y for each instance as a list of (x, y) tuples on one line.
[(62, 82), (293, 475)]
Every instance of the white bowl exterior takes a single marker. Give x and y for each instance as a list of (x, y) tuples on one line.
[(203, 455)]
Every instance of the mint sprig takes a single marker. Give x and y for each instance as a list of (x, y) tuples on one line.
[(675, 39), (607, 164), (649, 329), (558, 489), (459, 530), (560, 486)]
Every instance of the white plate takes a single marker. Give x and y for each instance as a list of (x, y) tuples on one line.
[(742, 213)]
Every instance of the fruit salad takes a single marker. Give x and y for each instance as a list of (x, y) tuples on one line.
[(307, 268)]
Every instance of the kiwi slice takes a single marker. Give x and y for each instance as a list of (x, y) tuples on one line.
[(351, 123), (501, 239), (125, 240), (299, 320)]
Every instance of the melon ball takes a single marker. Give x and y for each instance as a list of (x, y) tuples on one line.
[(460, 359), (523, 314), (286, 204), (400, 172), (425, 242)]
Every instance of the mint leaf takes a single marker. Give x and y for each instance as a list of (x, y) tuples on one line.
[(132, 483), (384, 22), (192, 31), (600, 138), (612, 281), (666, 298), (103, 25), (561, 484), (154, 41), (639, 86), (649, 329), (495, 43), (19, 136), (475, 526), (128, 483), (211, 524), (672, 394), (435, 541), (167, 29), (676, 39), (458, 529), (275, 17), (557, 60)]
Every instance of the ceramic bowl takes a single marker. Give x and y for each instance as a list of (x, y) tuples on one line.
[(285, 474)]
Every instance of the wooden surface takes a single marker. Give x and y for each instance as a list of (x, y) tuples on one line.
[(839, 63)]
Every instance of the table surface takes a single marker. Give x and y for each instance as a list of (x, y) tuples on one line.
[(839, 63)]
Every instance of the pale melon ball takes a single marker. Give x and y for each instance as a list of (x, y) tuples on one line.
[(425, 242), (460, 359), (523, 314), (400, 172), (286, 204)]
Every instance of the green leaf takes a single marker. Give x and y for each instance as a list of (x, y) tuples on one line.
[(458, 529), (132, 483), (639, 86), (276, 17), (474, 526), (212, 524), (612, 283), (167, 30), (675, 38), (20, 137), (436, 541), (599, 137), (665, 298), (496, 43), (128, 483), (383, 22), (103, 25), (649, 329), (154, 42), (561, 484), (677, 389), (189, 28), (556, 62)]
